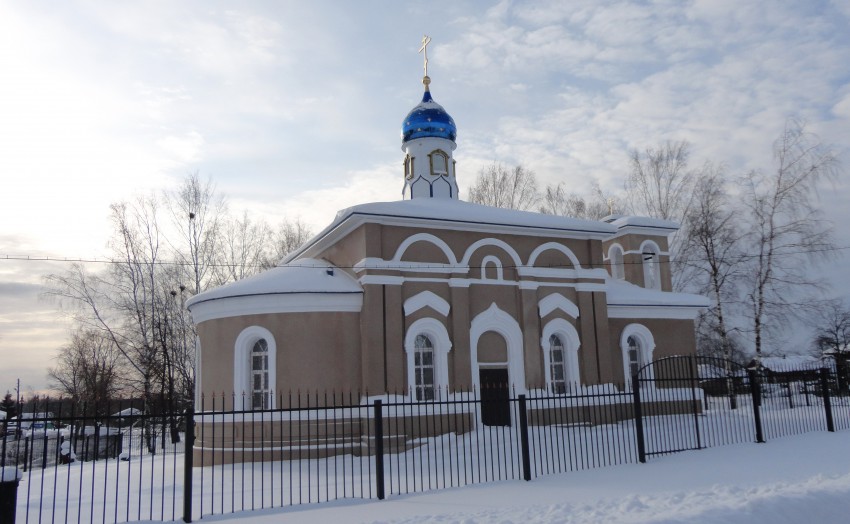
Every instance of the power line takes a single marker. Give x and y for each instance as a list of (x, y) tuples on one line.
[(96, 260)]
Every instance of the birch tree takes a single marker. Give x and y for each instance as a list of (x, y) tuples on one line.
[(505, 187), (787, 233)]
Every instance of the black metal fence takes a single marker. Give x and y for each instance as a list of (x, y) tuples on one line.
[(310, 448)]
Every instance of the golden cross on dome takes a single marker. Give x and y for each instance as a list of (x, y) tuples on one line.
[(424, 49)]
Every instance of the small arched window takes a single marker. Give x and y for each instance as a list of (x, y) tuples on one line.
[(615, 258), (408, 167), (423, 362), (557, 365), (651, 266), (633, 351), (638, 345), (260, 389), (439, 163)]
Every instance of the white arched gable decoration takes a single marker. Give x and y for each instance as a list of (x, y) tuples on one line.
[(557, 247), (647, 345), (242, 362), (491, 242), (426, 298), (557, 301), (494, 319), (425, 237), (436, 332), (572, 342), (490, 259)]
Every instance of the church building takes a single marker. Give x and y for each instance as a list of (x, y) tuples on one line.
[(431, 295)]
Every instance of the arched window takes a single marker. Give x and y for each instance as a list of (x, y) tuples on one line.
[(439, 163), (424, 368), (651, 266), (408, 167), (560, 344), (558, 384), (260, 389), (637, 344), (615, 258), (427, 345), (254, 369)]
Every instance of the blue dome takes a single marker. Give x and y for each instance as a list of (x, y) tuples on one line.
[(428, 119)]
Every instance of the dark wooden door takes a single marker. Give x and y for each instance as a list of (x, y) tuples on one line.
[(495, 406)]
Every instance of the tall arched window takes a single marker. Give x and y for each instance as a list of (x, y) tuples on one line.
[(638, 345), (260, 389), (427, 345), (254, 369), (423, 362), (560, 344), (633, 352), (557, 366), (651, 266), (615, 258)]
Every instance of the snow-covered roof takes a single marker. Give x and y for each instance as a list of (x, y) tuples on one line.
[(621, 293), (302, 276), (661, 226), (448, 213), (792, 362)]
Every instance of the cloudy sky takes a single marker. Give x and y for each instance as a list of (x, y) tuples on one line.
[(294, 108)]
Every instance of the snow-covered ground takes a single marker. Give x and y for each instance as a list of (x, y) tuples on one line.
[(799, 479)]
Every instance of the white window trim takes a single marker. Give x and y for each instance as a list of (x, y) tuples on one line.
[(496, 262), (557, 247), (572, 342), (494, 319), (242, 386), (436, 331), (446, 157), (647, 347)]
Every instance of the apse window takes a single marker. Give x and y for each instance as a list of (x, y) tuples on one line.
[(260, 390)]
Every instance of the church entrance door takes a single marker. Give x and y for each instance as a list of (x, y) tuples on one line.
[(495, 395)]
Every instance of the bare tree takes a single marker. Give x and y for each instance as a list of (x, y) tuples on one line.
[(832, 338), (243, 248), (196, 211), (786, 229), (659, 182), (290, 235), (711, 253), (509, 188), (596, 206), (89, 369)]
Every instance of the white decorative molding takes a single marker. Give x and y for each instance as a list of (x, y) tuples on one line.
[(557, 301), (654, 311), (426, 298), (402, 265), (553, 246), (494, 319), (276, 303), (491, 242), (425, 237), (490, 259), (242, 362)]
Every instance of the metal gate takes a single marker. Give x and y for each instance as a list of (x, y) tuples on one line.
[(690, 402)]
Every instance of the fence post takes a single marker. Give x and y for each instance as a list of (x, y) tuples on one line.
[(10, 477), (641, 445), (755, 390), (827, 403), (188, 462), (379, 450), (523, 439)]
